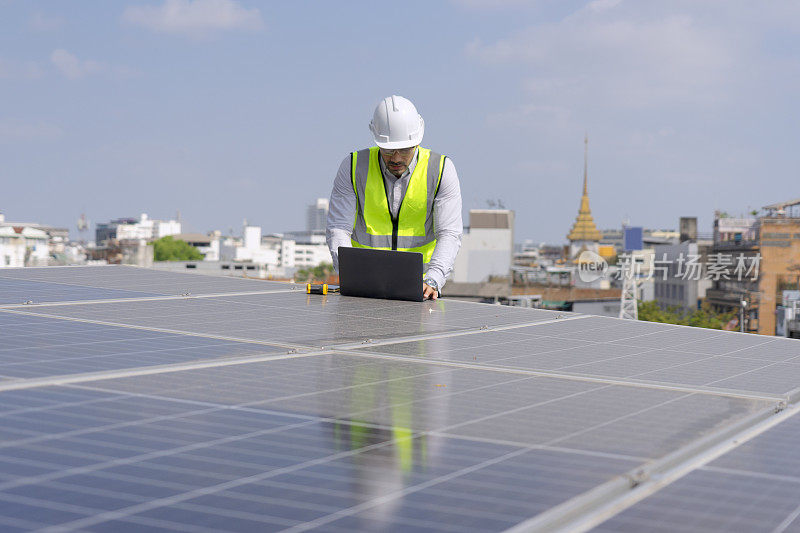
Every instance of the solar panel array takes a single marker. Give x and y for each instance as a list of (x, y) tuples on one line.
[(133, 399)]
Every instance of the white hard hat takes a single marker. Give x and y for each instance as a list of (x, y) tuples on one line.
[(396, 124)]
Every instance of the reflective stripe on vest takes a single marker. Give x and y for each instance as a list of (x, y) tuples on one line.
[(374, 226)]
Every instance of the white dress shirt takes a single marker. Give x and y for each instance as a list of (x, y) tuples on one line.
[(446, 213)]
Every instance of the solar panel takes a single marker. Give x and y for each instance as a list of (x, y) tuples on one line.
[(463, 402), (755, 487), (36, 347), (607, 349), (86, 283), (251, 406), (301, 319), (156, 459), (19, 291)]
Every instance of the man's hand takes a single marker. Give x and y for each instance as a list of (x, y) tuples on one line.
[(428, 292)]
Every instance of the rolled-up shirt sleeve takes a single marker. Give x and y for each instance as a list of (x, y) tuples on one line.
[(341, 212), (447, 225)]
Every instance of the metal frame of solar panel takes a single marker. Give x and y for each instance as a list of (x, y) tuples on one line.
[(135, 399)]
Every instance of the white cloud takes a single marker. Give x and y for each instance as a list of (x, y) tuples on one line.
[(194, 16), (72, 67), (20, 130), (609, 57), (682, 97)]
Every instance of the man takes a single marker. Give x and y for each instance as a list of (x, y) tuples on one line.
[(398, 196)]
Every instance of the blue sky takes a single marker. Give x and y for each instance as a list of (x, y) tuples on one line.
[(226, 110)]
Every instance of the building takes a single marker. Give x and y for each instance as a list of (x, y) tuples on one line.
[(677, 269), (761, 259), (552, 253), (597, 306), (780, 261), (733, 238), (317, 215), (276, 255), (676, 282), (787, 316), (22, 246), (687, 227), (310, 255), (134, 229), (584, 235), (526, 255), (136, 252), (633, 249), (216, 268), (487, 247), (250, 248), (57, 238), (208, 245), (650, 237), (301, 249), (30, 244)]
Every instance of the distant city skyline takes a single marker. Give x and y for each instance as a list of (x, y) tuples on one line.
[(228, 110)]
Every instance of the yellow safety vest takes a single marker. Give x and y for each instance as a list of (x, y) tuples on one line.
[(413, 229)]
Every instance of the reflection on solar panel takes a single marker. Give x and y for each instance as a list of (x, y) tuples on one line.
[(133, 399)]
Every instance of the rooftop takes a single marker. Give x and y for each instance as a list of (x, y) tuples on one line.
[(782, 205), (196, 238)]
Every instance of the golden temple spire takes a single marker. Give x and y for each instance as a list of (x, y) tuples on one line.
[(585, 163), (584, 228)]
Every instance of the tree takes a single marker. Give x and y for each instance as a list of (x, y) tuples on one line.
[(699, 318), (317, 273), (169, 249)]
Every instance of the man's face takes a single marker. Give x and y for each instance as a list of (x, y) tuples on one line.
[(397, 161)]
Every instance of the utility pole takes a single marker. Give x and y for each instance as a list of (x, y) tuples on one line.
[(742, 308)]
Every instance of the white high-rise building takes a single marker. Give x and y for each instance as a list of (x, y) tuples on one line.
[(487, 246), (317, 215), (252, 237)]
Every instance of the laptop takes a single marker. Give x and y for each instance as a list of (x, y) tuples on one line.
[(387, 274)]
